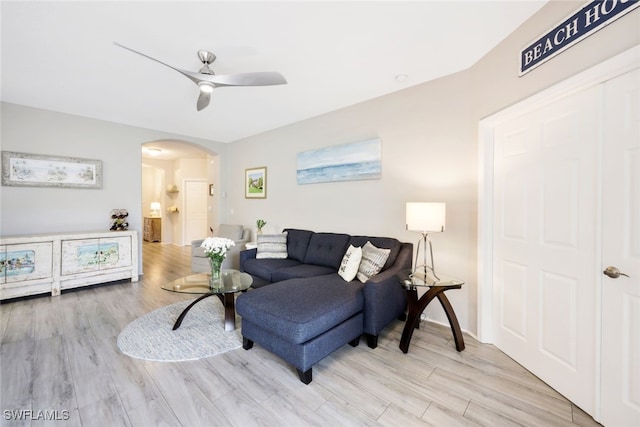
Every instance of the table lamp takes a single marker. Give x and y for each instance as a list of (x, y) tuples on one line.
[(155, 209), (425, 218)]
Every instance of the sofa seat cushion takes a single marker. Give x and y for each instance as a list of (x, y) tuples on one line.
[(300, 271), (298, 310), (264, 268)]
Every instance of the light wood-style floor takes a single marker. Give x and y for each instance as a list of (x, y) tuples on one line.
[(60, 354)]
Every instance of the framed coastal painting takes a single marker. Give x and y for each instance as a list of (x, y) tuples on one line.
[(347, 162), (35, 170), (255, 183)]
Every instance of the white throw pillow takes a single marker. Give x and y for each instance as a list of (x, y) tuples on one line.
[(350, 263), (373, 259), (272, 246)]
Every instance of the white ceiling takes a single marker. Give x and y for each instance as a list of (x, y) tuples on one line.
[(60, 56), (170, 150)]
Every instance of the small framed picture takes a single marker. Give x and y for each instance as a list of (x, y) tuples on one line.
[(255, 183), (211, 189)]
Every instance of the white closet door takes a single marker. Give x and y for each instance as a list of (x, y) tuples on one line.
[(545, 263), (621, 249)]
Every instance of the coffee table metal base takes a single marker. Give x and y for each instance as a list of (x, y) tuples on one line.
[(227, 300)]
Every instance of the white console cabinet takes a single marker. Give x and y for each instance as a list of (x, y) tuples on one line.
[(37, 264)]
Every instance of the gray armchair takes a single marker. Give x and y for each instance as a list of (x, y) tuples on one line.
[(237, 233)]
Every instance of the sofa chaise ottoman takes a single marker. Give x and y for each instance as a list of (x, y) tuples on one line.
[(302, 309)]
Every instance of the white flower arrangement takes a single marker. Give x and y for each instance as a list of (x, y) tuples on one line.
[(217, 247)]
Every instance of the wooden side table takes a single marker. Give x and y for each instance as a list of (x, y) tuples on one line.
[(416, 306), (152, 229)]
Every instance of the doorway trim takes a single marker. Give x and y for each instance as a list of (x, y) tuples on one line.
[(606, 70)]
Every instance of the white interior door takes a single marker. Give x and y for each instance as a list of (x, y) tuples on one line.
[(545, 265), (620, 373), (195, 215)]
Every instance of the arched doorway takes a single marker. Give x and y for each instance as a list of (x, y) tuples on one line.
[(176, 177)]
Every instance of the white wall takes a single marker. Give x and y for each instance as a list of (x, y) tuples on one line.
[(495, 77), (32, 210), (428, 154), (216, 202)]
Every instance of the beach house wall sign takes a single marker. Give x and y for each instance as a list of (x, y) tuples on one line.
[(576, 27)]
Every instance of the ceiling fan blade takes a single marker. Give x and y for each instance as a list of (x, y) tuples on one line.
[(266, 78), (203, 99), (194, 77), (207, 81)]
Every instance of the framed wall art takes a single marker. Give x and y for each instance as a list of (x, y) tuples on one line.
[(255, 183), (347, 162), (35, 170)]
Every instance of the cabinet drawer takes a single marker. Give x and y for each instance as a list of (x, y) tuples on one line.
[(82, 256), (116, 252), (28, 261)]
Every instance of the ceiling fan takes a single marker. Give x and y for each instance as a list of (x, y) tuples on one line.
[(207, 80)]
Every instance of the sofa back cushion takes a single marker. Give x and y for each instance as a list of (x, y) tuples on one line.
[(327, 249), (380, 242), (297, 243), (230, 231)]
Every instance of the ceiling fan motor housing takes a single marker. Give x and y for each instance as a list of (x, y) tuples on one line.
[(206, 57)]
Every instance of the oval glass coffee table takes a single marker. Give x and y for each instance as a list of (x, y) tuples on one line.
[(231, 282)]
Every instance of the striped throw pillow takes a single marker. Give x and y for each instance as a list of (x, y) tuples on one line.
[(373, 259), (272, 246)]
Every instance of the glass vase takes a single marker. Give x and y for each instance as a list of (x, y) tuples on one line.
[(215, 279)]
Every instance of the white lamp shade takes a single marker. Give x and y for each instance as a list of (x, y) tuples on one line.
[(426, 217), (155, 209)]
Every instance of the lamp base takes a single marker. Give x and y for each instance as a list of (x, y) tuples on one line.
[(422, 270)]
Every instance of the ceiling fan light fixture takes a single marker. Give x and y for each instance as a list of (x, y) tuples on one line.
[(206, 87)]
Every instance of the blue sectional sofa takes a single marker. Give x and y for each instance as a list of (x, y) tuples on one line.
[(302, 310)]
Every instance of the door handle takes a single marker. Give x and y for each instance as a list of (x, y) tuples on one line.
[(613, 272)]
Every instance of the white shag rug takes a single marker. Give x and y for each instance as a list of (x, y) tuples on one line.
[(201, 334)]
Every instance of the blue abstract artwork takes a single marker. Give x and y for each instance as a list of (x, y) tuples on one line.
[(347, 162)]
